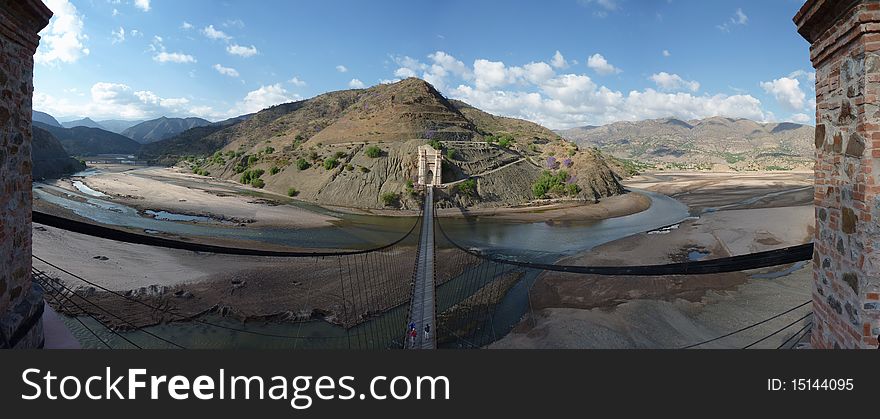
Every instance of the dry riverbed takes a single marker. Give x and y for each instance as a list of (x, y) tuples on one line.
[(740, 213)]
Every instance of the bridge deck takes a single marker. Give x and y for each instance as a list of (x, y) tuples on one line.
[(422, 307)]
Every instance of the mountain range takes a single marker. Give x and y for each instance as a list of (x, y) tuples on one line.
[(85, 122), (159, 129), (86, 141), (716, 142)]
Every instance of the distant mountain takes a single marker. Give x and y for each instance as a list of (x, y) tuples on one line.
[(703, 143), (85, 122), (50, 160), (85, 141), (197, 141), (118, 125), (162, 128), (318, 148), (45, 118)]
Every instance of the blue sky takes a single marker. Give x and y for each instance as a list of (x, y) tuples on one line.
[(560, 63)]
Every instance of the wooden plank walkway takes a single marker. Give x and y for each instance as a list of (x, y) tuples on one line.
[(421, 311)]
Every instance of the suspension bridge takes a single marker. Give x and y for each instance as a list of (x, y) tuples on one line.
[(421, 312), (371, 297)]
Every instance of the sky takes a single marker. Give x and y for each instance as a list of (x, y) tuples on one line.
[(560, 63)]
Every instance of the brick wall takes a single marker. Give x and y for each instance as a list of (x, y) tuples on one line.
[(20, 21), (845, 51)]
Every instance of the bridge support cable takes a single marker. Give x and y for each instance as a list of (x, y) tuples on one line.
[(57, 293), (62, 303), (753, 325), (778, 331)]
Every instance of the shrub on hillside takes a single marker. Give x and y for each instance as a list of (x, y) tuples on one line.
[(373, 151)]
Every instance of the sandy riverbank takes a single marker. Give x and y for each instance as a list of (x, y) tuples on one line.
[(753, 214), (168, 189)]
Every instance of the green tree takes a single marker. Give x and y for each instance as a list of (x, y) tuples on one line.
[(274, 170), (451, 153), (258, 183), (291, 192), (302, 164)]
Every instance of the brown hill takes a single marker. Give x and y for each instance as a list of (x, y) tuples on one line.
[(737, 143), (320, 150)]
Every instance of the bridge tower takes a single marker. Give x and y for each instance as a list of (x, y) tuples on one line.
[(21, 302), (430, 164), (845, 51)]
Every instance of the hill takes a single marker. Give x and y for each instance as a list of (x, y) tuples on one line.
[(117, 125), (85, 122), (84, 141), (45, 118), (741, 144), (159, 129), (50, 160), (357, 148)]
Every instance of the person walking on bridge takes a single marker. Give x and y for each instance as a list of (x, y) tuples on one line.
[(427, 330), (412, 337)]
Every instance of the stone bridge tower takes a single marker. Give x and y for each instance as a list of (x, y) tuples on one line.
[(845, 51), (430, 164), (21, 303)]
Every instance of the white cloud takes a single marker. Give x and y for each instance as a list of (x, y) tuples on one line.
[(601, 66), (666, 53), (739, 18), (115, 12), (558, 61), (787, 92), (605, 6), (215, 34), (442, 66), (226, 71), (801, 118), (62, 40), (142, 4), (297, 82), (242, 50), (263, 98), (114, 100), (173, 57), (490, 74), (666, 81), (118, 36), (186, 25), (534, 92), (356, 84), (341, 68), (234, 23), (801, 74)]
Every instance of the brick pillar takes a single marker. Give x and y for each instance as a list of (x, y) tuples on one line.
[(21, 303), (845, 51)]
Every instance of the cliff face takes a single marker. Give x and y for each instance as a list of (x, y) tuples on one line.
[(318, 149), (49, 158)]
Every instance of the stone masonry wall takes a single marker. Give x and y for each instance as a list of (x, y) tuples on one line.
[(20, 21), (845, 52)]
